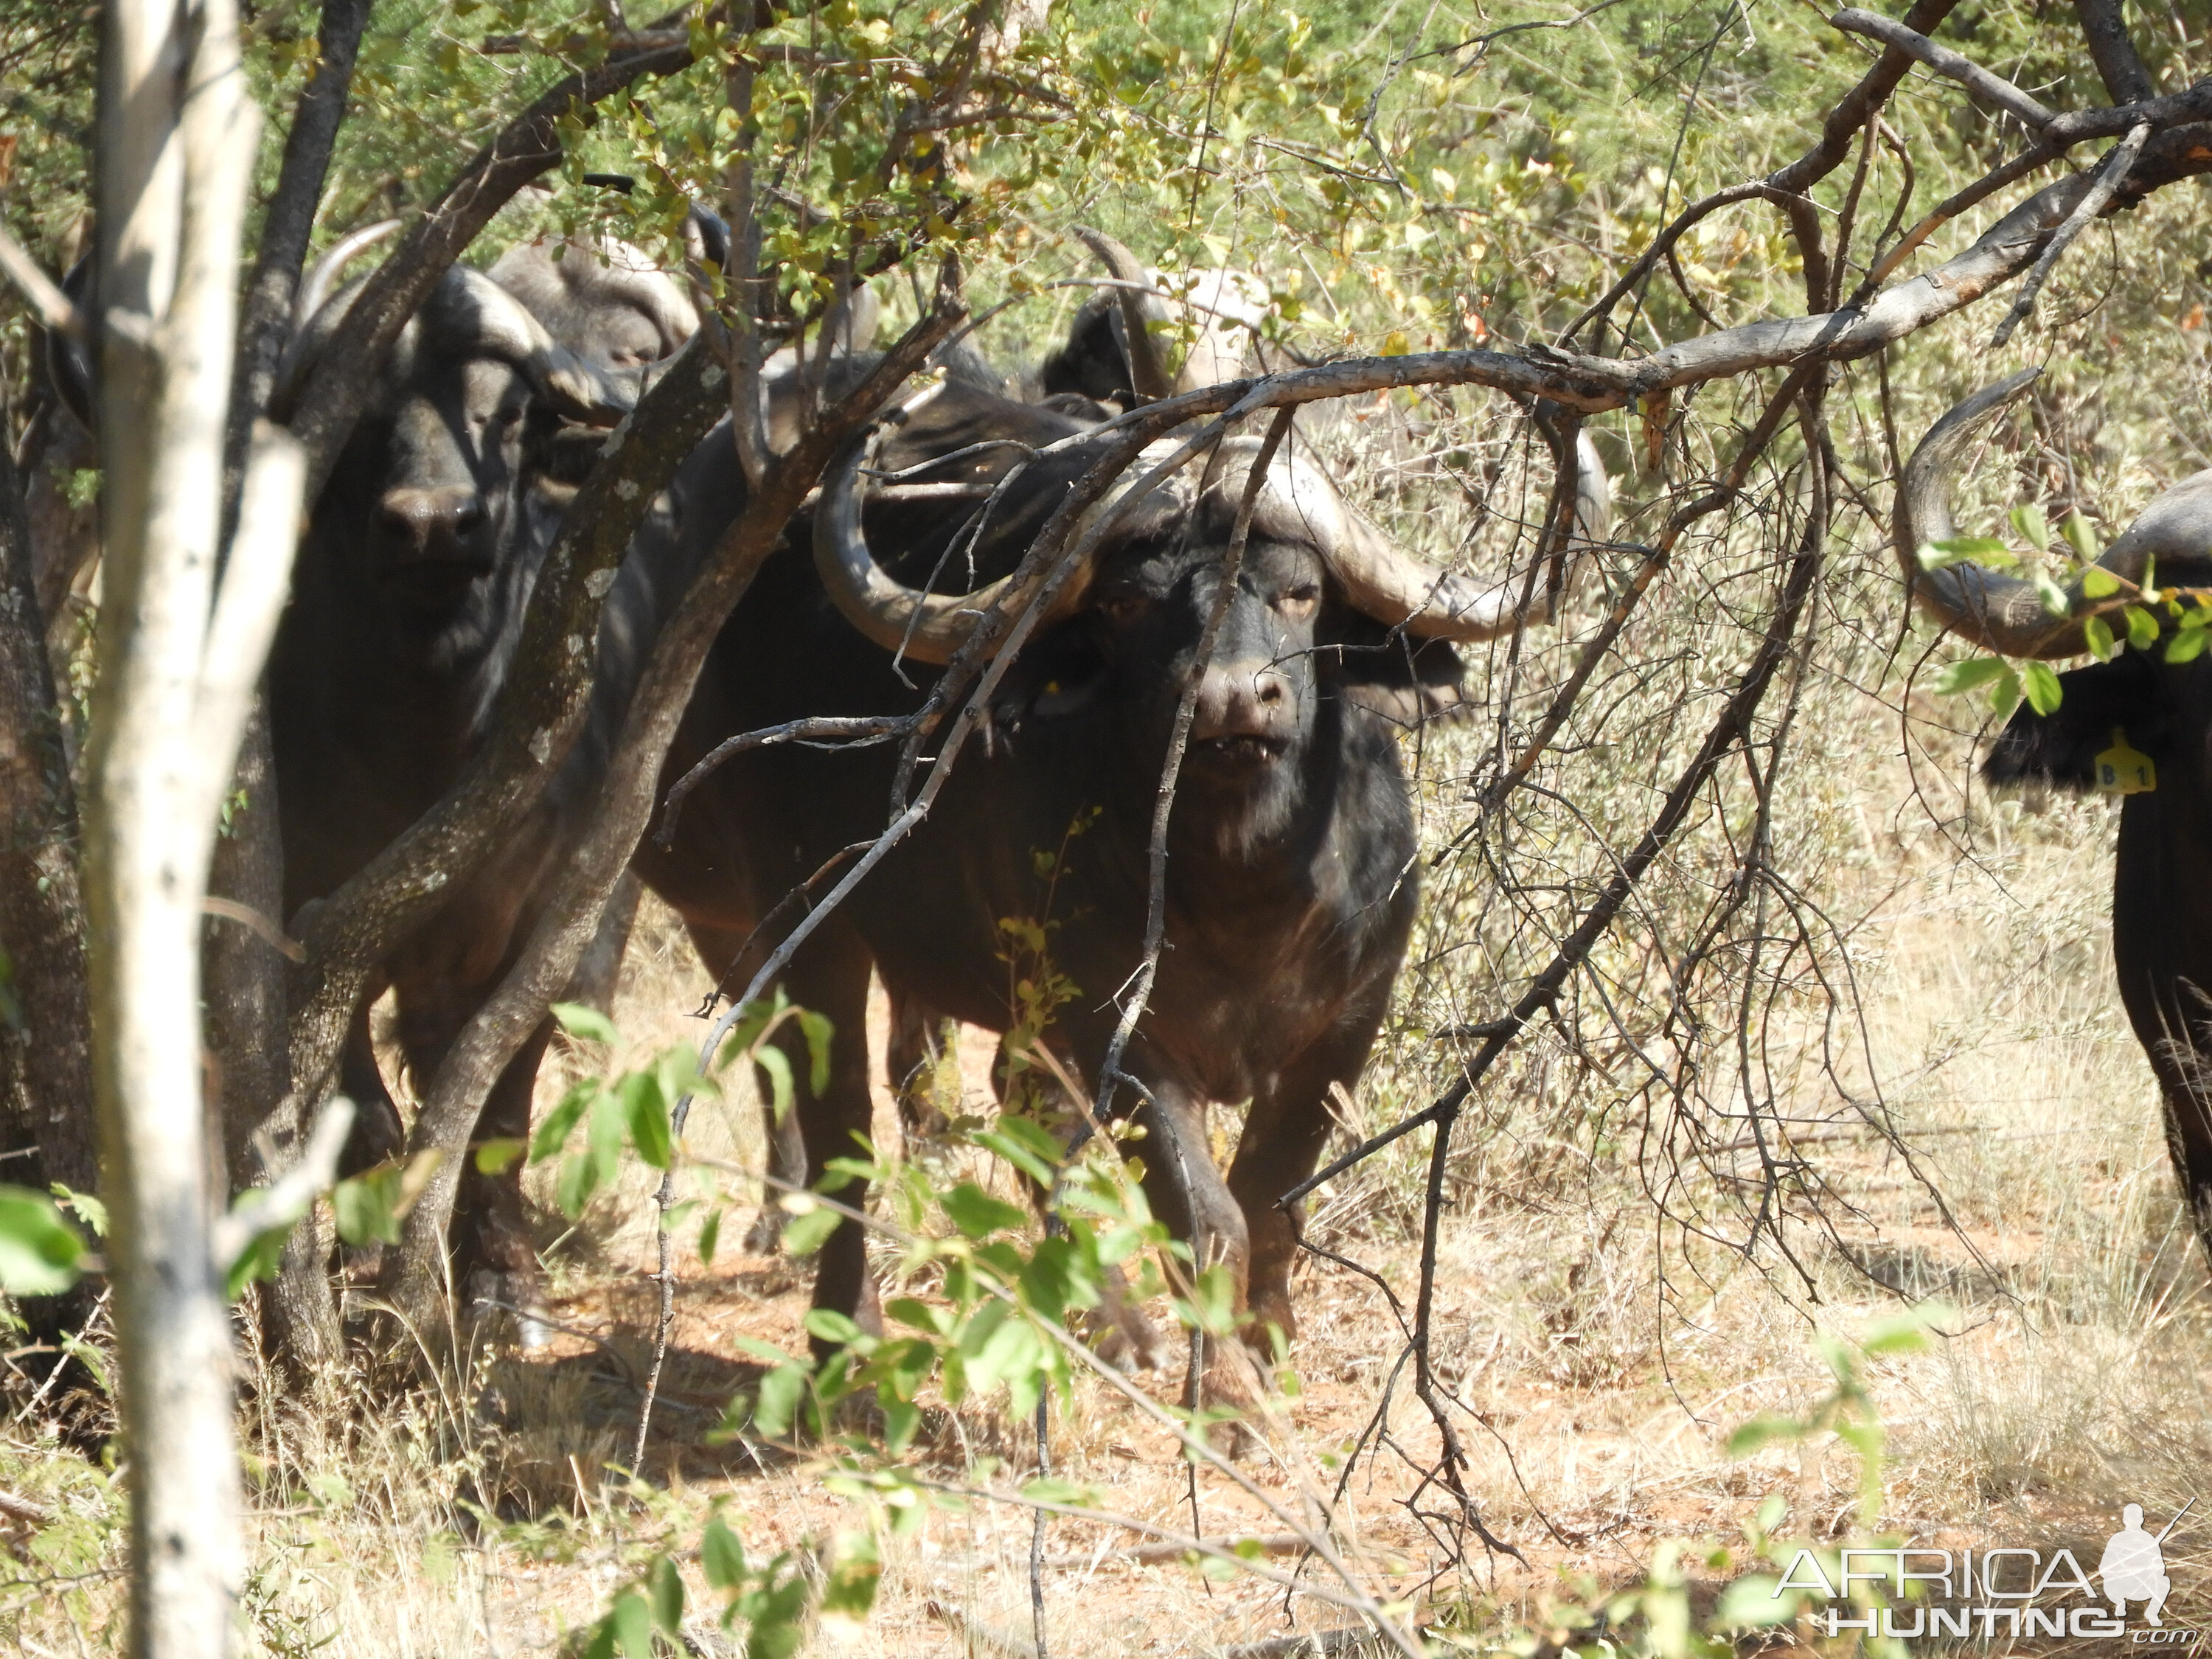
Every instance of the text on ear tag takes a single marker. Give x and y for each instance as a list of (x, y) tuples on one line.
[(2124, 771)]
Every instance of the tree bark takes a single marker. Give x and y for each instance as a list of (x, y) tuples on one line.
[(45, 1056), (247, 1007), (178, 656), (648, 726)]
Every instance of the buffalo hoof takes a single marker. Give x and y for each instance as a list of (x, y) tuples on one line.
[(765, 1236), (516, 1296), (1128, 1341)]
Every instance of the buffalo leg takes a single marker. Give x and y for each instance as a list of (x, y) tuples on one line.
[(1187, 1192), (2188, 1143), (1283, 1139), (377, 1136), (915, 1058), (719, 949), (830, 976), (495, 1254)]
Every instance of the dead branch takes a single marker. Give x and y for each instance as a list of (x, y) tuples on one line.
[(1992, 88), (2093, 202), (324, 413)]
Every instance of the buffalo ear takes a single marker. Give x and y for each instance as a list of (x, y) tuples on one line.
[(1405, 680), (2060, 748)]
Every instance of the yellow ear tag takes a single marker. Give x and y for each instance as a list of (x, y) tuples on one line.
[(2124, 771)]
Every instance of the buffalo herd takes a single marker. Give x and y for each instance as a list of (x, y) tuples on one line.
[(1292, 866), (1284, 657)]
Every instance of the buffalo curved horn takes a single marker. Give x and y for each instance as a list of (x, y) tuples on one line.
[(927, 626), (322, 275), (1394, 586), (1141, 308), (501, 326), (2005, 613)]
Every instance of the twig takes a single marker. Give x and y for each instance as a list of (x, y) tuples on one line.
[(55, 309), (2110, 178), (822, 731), (291, 1195), (1967, 73), (255, 923), (23, 1509), (1133, 1007)]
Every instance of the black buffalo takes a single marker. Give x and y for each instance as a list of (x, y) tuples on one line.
[(1292, 876), (407, 604), (2161, 902)]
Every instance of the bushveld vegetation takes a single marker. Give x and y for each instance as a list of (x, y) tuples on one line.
[(1820, 1197)]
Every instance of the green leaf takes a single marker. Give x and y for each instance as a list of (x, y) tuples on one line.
[(494, 1155), (818, 1032), (781, 1391), (588, 1024), (830, 1326), (855, 1568), (809, 1233), (1763, 1430), (2142, 628), (2098, 637), (557, 1125), (2027, 519), (2056, 600), (83, 1205), (2186, 646), (2081, 536), (2042, 686), (2098, 583), (1754, 1602), (364, 1206), (630, 1622), (977, 1214), (710, 1236), (1025, 1144), (1907, 1332), (773, 1061), (721, 1555), (1959, 549), (2004, 693), (259, 1260), (667, 1588), (1965, 676), (648, 1109)]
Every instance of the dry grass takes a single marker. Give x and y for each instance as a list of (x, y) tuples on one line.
[(1597, 1403)]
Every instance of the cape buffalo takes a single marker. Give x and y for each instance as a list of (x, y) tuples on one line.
[(407, 604), (2138, 702), (1293, 873)]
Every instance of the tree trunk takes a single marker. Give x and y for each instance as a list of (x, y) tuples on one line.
[(45, 1057), (179, 657)]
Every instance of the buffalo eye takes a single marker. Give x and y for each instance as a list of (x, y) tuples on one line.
[(1122, 609), (1300, 602)]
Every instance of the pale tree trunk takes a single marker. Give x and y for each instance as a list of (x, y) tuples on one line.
[(178, 660)]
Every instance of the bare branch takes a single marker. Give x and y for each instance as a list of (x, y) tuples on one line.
[(547, 693), (1992, 88), (2099, 195), (53, 307), (327, 406), (822, 731), (291, 1195), (289, 223), (2106, 32)]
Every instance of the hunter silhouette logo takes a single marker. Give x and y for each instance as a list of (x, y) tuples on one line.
[(2134, 1565), (2021, 1592)]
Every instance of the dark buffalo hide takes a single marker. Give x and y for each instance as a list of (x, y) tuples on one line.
[(1292, 876)]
